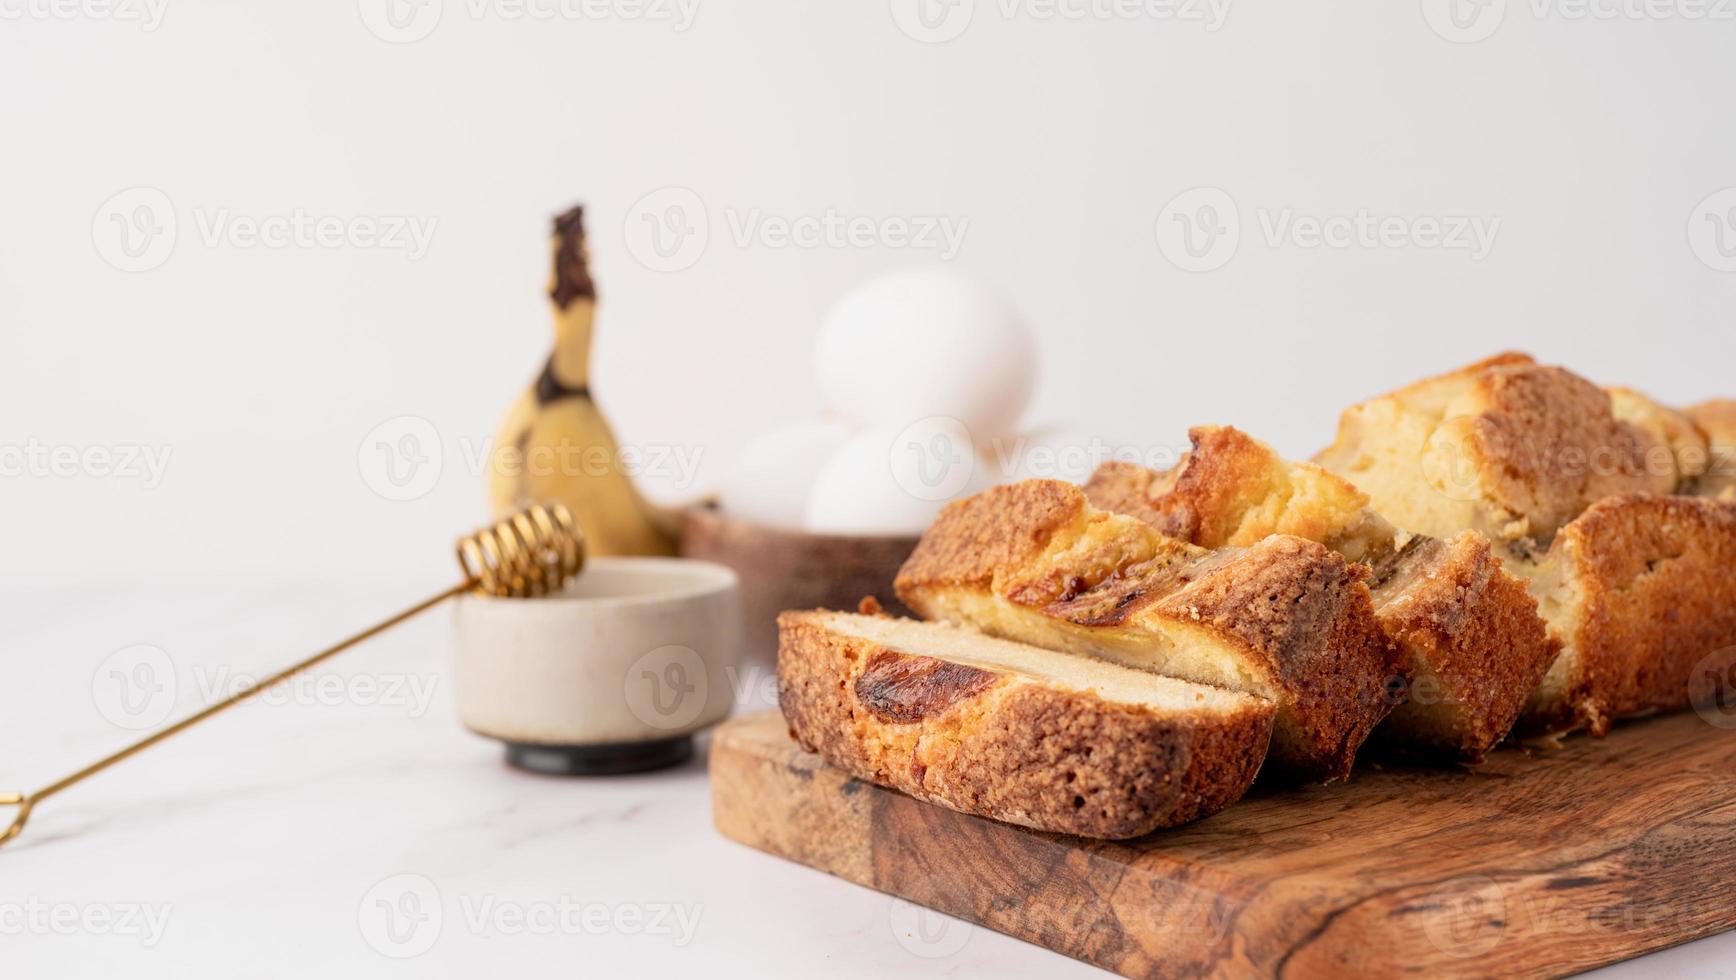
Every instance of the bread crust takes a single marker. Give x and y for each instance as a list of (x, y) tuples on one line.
[(1007, 746), (1053, 571), (1469, 632), (1232, 490), (1669, 428), (1640, 590), (1474, 645), (1716, 420), (1507, 447)]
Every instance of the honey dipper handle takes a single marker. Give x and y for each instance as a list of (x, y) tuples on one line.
[(534, 552), (26, 801)]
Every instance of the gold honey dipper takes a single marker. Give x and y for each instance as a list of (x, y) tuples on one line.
[(531, 553)]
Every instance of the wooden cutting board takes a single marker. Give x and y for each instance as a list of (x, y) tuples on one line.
[(1541, 862)]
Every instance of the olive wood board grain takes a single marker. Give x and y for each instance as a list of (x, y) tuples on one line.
[(1541, 862)]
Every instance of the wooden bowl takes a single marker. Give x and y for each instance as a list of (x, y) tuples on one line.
[(783, 569)]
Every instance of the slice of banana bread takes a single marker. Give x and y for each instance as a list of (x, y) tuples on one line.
[(1469, 633), (1506, 447), (1286, 618), (1640, 590), (1001, 730)]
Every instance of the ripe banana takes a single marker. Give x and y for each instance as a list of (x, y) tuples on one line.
[(555, 446)]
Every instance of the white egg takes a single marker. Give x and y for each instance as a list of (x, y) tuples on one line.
[(771, 480), (894, 481), (926, 343), (1055, 451)]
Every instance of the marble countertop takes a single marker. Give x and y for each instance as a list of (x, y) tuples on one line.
[(349, 825)]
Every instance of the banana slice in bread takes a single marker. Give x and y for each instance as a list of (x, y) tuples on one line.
[(1011, 732), (1468, 631), (1285, 619), (1506, 447)]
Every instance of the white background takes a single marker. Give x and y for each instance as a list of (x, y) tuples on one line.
[(264, 372), (261, 371)]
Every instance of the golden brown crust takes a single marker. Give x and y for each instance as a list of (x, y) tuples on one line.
[(1005, 527), (1296, 619), (1307, 616), (1676, 439), (1546, 445), (1716, 420), (1233, 490), (1643, 591), (1507, 447), (1474, 644), (1128, 488), (1016, 749), (1468, 632)]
